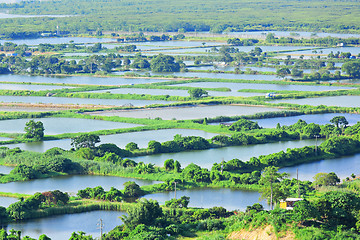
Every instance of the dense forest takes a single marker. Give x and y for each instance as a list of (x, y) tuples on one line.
[(215, 16)]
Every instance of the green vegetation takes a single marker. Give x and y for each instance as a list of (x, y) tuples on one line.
[(182, 17)]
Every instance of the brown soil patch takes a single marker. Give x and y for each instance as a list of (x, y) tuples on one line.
[(261, 234)]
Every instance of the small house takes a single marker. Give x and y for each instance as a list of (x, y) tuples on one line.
[(288, 203)]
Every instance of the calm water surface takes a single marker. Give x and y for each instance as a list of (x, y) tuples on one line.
[(182, 93), (207, 198), (274, 87), (206, 158), (311, 118), (63, 125), (6, 201), (5, 170), (343, 167), (340, 101), (71, 184), (87, 80), (30, 87), (81, 101), (121, 140), (226, 76), (195, 112), (62, 226), (55, 40)]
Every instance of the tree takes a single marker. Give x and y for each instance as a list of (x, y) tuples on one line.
[(86, 140), (169, 164), (272, 189), (326, 179), (197, 92), (282, 72), (132, 189), (154, 146), (131, 146), (34, 130), (339, 122), (244, 125), (145, 212), (164, 63), (352, 68)]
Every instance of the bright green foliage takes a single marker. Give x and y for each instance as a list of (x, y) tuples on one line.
[(113, 195), (85, 140), (169, 164), (340, 145), (34, 130), (326, 179), (195, 173), (244, 125), (164, 63), (131, 146), (312, 129), (145, 212), (183, 202), (25, 172), (352, 68), (272, 189), (154, 146), (197, 92), (339, 121), (80, 236), (132, 190)]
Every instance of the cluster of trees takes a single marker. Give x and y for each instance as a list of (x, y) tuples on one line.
[(147, 220), (25, 208), (244, 125), (34, 130), (54, 65), (132, 190), (242, 42), (326, 41), (179, 143)]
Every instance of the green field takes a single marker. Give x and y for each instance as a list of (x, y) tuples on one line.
[(188, 15)]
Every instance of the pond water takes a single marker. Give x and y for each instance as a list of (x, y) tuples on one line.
[(193, 112), (225, 76), (63, 125), (5, 169), (58, 40), (208, 198), (28, 109), (30, 87), (343, 167), (206, 158), (61, 227), (310, 118), (352, 50), (271, 48), (340, 101), (6, 201), (273, 87), (5, 138), (81, 101), (140, 138), (6, 15), (182, 93), (71, 184), (289, 34), (87, 80), (179, 44), (244, 68)]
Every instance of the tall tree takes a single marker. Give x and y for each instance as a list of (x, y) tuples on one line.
[(272, 188), (34, 130)]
